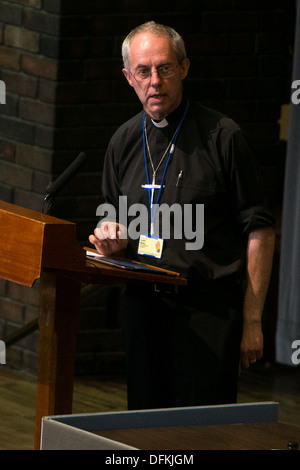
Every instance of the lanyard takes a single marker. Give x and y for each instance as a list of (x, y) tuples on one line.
[(152, 186)]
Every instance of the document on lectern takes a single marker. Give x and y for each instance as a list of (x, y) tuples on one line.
[(124, 263)]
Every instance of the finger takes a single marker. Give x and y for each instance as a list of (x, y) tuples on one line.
[(121, 232), (106, 231), (100, 233), (93, 239), (246, 361), (112, 231), (100, 245)]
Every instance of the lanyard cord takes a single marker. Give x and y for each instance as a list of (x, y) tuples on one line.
[(165, 152), (172, 150)]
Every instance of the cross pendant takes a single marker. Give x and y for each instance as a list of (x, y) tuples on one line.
[(152, 186)]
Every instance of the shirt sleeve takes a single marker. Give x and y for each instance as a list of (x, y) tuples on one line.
[(247, 190)]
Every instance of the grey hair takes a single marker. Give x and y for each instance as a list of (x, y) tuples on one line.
[(158, 30)]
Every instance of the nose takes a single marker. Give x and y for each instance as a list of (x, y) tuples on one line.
[(155, 78)]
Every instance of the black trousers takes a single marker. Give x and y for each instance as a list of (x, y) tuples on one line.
[(181, 349)]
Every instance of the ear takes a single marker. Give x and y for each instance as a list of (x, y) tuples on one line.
[(185, 65), (128, 76)]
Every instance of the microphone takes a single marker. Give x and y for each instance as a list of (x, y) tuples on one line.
[(59, 183)]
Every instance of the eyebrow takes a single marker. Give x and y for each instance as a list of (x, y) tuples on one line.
[(163, 64)]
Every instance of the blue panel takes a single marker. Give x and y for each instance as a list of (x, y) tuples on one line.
[(265, 412)]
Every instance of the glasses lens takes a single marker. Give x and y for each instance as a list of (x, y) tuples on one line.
[(163, 72), (166, 72)]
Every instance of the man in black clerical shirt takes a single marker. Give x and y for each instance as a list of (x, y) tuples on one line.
[(185, 349)]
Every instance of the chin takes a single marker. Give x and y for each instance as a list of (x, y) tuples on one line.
[(157, 114), (157, 111)]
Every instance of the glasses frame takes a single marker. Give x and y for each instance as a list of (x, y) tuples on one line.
[(141, 80)]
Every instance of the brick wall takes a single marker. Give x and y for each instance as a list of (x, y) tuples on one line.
[(60, 61)]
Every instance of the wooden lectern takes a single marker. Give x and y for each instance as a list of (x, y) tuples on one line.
[(37, 246)]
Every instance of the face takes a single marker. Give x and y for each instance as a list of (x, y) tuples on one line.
[(159, 96)]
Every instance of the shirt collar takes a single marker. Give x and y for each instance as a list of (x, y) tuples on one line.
[(160, 124)]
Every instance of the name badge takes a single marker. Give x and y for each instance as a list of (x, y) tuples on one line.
[(150, 246)]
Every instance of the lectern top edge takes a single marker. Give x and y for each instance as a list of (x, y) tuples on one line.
[(31, 214)]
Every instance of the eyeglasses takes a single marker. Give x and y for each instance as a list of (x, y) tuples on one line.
[(164, 71)]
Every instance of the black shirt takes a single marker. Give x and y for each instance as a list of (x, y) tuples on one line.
[(213, 164)]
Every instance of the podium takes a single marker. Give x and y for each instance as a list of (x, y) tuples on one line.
[(35, 246)]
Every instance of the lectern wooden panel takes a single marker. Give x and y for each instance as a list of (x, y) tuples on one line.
[(30, 242), (37, 246)]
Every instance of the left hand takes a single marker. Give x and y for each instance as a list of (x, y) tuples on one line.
[(251, 344)]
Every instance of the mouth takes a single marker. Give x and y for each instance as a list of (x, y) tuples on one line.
[(156, 97)]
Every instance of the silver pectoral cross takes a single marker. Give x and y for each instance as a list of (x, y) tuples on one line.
[(152, 186)]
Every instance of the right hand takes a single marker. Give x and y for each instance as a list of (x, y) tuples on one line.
[(109, 238)]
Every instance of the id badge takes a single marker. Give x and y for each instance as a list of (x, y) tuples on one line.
[(150, 246)]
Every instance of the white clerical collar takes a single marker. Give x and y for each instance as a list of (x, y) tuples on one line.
[(160, 124)]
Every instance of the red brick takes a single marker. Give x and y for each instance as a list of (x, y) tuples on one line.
[(11, 13), (28, 3), (11, 310), (20, 83), (42, 21), (47, 90), (28, 295), (29, 199), (50, 46), (10, 108), (3, 286), (15, 129), (40, 182), (53, 6), (21, 38), (37, 111), (9, 58), (31, 313), (30, 362), (15, 175), (14, 357), (34, 157), (7, 150), (44, 137), (6, 193), (40, 66)]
